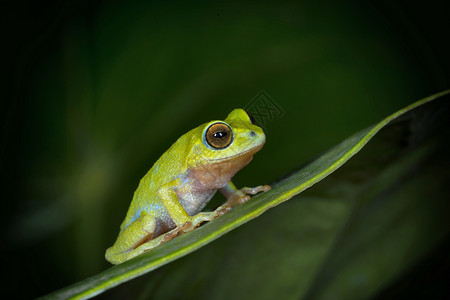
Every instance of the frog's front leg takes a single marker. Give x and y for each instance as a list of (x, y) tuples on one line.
[(236, 197), (131, 238)]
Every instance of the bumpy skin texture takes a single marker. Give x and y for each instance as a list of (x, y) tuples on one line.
[(170, 197)]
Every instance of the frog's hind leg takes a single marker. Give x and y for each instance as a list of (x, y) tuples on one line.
[(129, 239)]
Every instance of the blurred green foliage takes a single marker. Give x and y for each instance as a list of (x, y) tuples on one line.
[(99, 90)]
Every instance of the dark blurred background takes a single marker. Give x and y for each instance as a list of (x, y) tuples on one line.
[(95, 91)]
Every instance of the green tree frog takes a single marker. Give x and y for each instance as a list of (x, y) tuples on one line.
[(170, 197)]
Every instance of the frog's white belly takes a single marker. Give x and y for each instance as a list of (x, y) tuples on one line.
[(194, 202)]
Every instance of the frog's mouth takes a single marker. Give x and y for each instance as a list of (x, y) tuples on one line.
[(248, 153)]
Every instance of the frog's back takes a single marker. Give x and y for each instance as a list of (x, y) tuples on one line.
[(145, 200)]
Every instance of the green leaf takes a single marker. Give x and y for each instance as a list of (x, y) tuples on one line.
[(282, 191)]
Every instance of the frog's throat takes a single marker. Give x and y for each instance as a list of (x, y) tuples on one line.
[(217, 173)]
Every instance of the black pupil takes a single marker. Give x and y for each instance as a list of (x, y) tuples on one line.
[(220, 134)]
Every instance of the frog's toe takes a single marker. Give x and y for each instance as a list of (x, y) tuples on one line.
[(243, 199), (256, 190), (221, 210)]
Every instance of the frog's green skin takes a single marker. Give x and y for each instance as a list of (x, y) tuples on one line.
[(170, 197)]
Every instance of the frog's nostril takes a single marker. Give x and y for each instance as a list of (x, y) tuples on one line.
[(252, 133)]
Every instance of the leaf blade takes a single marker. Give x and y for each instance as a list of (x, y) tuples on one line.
[(281, 192)]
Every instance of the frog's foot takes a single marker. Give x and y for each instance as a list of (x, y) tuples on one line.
[(239, 197), (235, 199), (223, 209), (201, 217), (190, 225), (175, 232)]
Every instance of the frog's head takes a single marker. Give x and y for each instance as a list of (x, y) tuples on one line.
[(233, 140)]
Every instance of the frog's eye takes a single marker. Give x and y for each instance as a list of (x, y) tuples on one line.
[(250, 116), (219, 135)]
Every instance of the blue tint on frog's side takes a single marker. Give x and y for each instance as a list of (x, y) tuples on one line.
[(146, 210)]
